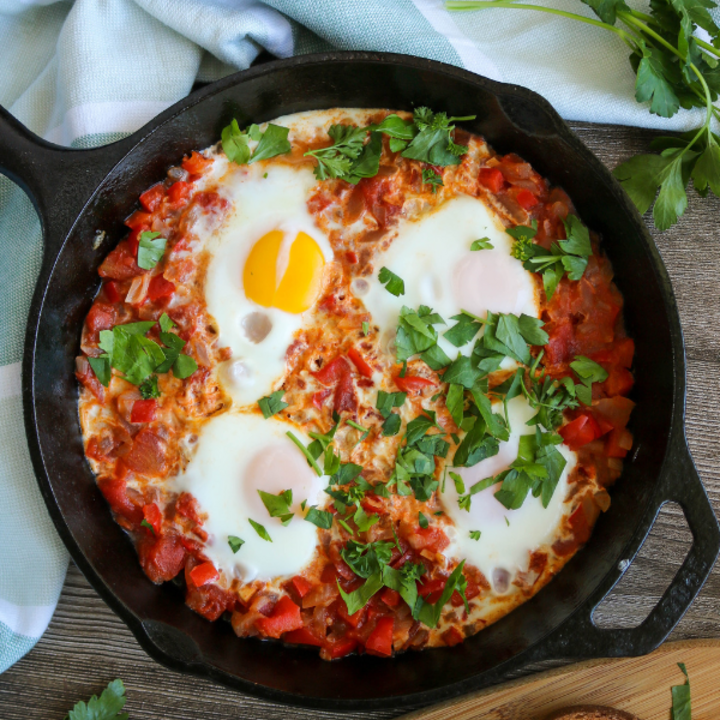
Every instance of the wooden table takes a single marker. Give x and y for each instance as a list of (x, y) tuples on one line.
[(86, 645)]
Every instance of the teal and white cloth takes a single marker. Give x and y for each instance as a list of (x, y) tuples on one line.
[(87, 73)]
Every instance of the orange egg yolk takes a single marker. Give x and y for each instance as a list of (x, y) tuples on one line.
[(295, 291)]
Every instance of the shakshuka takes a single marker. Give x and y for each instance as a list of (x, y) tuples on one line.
[(356, 380)]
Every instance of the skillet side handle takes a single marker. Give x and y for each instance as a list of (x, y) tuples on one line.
[(58, 180), (680, 482)]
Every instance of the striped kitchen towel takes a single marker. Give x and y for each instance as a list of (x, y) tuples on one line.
[(86, 73)]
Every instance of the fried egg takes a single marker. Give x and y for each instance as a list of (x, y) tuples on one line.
[(236, 455), (432, 256), (265, 271), (507, 537)]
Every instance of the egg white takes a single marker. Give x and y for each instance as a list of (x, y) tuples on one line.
[(432, 255), (264, 198), (236, 455), (507, 536)]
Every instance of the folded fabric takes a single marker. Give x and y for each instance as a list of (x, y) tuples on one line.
[(88, 73)]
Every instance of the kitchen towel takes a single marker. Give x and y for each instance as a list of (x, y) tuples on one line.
[(86, 73)]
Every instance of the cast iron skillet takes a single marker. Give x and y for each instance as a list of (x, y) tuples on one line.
[(82, 194)]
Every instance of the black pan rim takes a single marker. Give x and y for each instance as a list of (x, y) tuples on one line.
[(126, 614)]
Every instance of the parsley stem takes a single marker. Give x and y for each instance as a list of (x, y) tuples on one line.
[(306, 453), (707, 46), (460, 5), (629, 20)]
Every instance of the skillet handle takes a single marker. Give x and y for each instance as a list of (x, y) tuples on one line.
[(58, 180), (679, 482)]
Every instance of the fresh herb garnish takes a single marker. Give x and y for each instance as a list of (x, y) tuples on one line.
[(681, 697), (365, 328), (306, 452), (149, 388), (475, 534), (433, 143), (106, 707), (147, 525), (482, 244), (589, 372), (422, 521), (260, 530), (393, 284), (235, 543), (272, 404), (151, 248), (365, 431), (278, 505), (675, 68), (321, 518), (271, 143), (348, 158), (432, 178)]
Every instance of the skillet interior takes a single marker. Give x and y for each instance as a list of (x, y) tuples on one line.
[(511, 119)]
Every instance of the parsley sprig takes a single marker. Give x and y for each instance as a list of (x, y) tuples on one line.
[(106, 707), (674, 69), (274, 141)]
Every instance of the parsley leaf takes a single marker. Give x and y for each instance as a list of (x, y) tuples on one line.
[(432, 178), (393, 284), (429, 613), (273, 142), (391, 426), (321, 518), (260, 530), (101, 368), (387, 401), (482, 244), (336, 161), (151, 248), (272, 404), (234, 143), (434, 144), (235, 543), (149, 389), (308, 455), (422, 521), (463, 332), (278, 505), (357, 599), (475, 534), (589, 372), (681, 697), (106, 707)]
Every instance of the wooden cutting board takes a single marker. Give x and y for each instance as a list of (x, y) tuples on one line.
[(640, 686)]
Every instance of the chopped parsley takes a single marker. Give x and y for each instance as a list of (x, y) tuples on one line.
[(106, 707), (681, 697), (151, 248), (433, 142), (422, 521), (235, 543), (349, 157), (260, 530), (271, 143), (321, 518), (149, 388), (305, 451), (147, 525), (589, 372), (432, 178), (365, 328), (393, 284), (475, 534), (482, 244), (272, 404), (278, 505)]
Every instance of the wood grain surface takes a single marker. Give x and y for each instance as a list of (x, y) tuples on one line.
[(639, 686), (86, 645)]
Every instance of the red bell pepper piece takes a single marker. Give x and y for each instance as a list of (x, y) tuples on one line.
[(152, 198), (285, 617), (302, 586), (153, 516), (178, 192), (411, 383), (357, 359), (380, 640), (302, 637), (333, 371), (580, 431), (492, 179), (204, 573), (390, 597), (196, 163), (526, 199), (159, 287), (143, 411)]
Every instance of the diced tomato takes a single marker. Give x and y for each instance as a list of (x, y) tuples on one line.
[(153, 516), (452, 636), (355, 619), (147, 454), (603, 424), (330, 373), (152, 197), (411, 383), (186, 505), (285, 617), (329, 574), (302, 586), (204, 573), (339, 648), (431, 590), (619, 382), (526, 199), (580, 431), (143, 411), (114, 491), (357, 359), (139, 220), (100, 317), (472, 590), (196, 163), (373, 505), (160, 287), (302, 637), (111, 291), (430, 538), (579, 524), (560, 343), (178, 191), (88, 378), (390, 597), (162, 558), (351, 256), (492, 179), (319, 398), (619, 441), (120, 264), (345, 399), (380, 640)]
